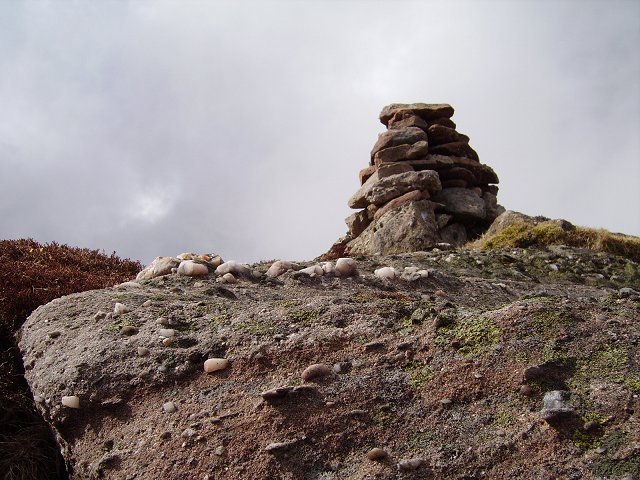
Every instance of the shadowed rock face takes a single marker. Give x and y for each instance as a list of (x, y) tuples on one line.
[(313, 370), (421, 142)]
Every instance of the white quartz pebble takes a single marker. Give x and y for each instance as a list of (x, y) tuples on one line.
[(215, 364), (189, 268), (167, 332), (120, 308), (233, 267), (386, 273), (279, 267), (169, 407), (313, 270), (328, 267), (229, 278), (71, 401)]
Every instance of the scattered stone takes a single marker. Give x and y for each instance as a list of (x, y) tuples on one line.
[(169, 407), (233, 267), (462, 203), (147, 303), (167, 342), (377, 454), (342, 367), (55, 334), (314, 270), (386, 273), (590, 425), (601, 450), (278, 268), (625, 292), (346, 267), (100, 315), (228, 278), (167, 332), (215, 364), (219, 450), (158, 267), (411, 464), (277, 447), (276, 393), (556, 404), (446, 402), (317, 370), (397, 137), (71, 401), (143, 351), (120, 309), (368, 347), (526, 390), (128, 330), (190, 268)]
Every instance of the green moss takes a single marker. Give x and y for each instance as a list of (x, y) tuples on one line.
[(477, 334), (304, 317), (547, 322), (289, 303), (617, 468), (583, 440), (254, 327), (632, 382), (419, 374), (420, 440), (125, 320), (594, 417), (614, 440)]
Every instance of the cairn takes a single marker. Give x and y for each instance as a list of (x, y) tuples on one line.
[(424, 185)]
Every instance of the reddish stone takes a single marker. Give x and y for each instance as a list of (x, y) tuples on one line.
[(411, 196), (439, 134), (426, 111), (365, 173), (406, 119), (456, 149)]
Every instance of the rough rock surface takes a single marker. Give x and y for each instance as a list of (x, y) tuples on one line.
[(429, 366)]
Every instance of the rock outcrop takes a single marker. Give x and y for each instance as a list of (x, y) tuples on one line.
[(424, 185)]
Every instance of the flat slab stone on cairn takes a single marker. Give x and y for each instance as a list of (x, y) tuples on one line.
[(426, 111), (462, 203), (401, 152), (393, 186), (393, 138)]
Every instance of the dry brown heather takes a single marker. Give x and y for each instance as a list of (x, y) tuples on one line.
[(32, 274)]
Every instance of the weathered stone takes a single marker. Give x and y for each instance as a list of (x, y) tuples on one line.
[(444, 121), (456, 149), (393, 138), (409, 228), (279, 267), (443, 219), (365, 173), (393, 186), (462, 203), (493, 209), (411, 196), (388, 169), (358, 199), (317, 370), (556, 404), (377, 454), (457, 173), (159, 266), (426, 111), (401, 152), (439, 134), (189, 268), (454, 183), (454, 234), (215, 364), (346, 267), (386, 273), (357, 222), (406, 119)]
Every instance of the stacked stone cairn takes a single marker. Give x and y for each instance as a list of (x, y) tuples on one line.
[(424, 186)]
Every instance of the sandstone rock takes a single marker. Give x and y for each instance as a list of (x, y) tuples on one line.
[(388, 169), (411, 196), (279, 267), (455, 234), (401, 152), (455, 149), (190, 268), (158, 267), (406, 119), (365, 173), (439, 134), (393, 138), (462, 203), (426, 111), (409, 228), (393, 186), (357, 222), (71, 401)]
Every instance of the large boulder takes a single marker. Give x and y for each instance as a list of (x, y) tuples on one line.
[(409, 228)]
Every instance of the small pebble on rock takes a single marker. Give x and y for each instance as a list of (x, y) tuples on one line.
[(147, 303), (411, 464), (143, 351), (167, 342), (71, 401), (215, 364), (189, 268), (316, 370), (377, 454), (526, 390), (278, 267), (167, 332), (229, 278), (55, 334), (590, 425), (162, 321), (169, 407), (99, 315), (445, 402)]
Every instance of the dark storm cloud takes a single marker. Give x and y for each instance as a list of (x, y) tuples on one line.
[(239, 127)]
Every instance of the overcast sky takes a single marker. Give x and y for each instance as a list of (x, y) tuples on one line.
[(157, 127)]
